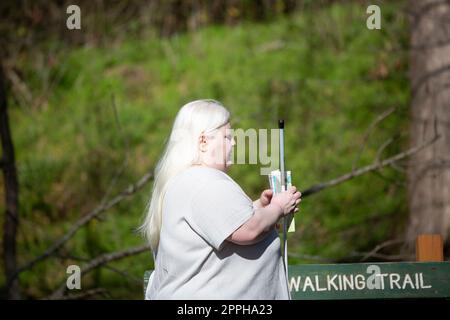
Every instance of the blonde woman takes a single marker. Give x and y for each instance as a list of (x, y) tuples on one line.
[(209, 239)]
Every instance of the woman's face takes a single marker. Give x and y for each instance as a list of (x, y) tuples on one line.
[(215, 149)]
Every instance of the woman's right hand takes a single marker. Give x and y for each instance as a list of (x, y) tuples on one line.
[(265, 218), (287, 200)]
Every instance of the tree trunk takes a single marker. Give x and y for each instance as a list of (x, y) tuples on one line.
[(429, 170), (11, 194)]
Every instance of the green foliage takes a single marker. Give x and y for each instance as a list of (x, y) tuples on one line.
[(322, 70)]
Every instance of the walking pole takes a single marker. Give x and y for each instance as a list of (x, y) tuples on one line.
[(283, 188)]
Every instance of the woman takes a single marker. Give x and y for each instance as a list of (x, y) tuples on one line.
[(210, 241)]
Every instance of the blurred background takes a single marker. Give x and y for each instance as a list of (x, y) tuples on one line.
[(85, 114)]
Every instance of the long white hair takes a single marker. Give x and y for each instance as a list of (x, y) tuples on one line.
[(181, 151)]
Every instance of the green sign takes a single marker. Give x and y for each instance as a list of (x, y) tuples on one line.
[(367, 280), (370, 280)]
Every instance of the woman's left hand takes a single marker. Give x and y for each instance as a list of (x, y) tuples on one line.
[(266, 197)]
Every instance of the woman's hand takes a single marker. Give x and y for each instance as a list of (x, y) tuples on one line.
[(287, 200), (265, 217), (266, 197)]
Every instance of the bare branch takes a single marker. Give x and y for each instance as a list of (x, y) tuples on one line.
[(118, 271), (425, 78), (398, 183), (103, 259), (383, 147), (395, 257), (86, 294), (98, 262), (375, 166), (365, 255), (369, 131), (126, 157), (130, 190), (377, 160), (381, 246), (397, 166), (19, 87)]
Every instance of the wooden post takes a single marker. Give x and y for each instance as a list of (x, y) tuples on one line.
[(429, 247)]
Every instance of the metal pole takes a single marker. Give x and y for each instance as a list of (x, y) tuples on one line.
[(283, 188)]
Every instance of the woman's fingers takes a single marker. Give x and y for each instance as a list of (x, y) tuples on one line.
[(296, 203), (293, 190), (288, 200)]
